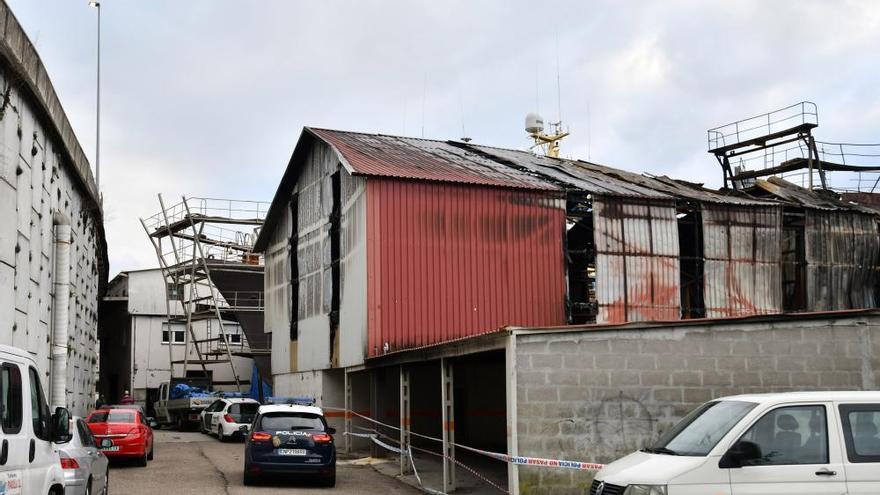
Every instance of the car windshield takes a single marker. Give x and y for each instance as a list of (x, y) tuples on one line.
[(291, 421), (112, 417), (699, 432)]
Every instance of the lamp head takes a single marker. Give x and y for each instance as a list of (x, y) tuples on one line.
[(95, 3)]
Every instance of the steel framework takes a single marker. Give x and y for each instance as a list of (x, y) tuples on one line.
[(190, 238)]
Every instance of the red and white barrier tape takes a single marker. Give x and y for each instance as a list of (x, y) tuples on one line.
[(518, 460)]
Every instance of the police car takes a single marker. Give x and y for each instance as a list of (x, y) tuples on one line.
[(290, 439)]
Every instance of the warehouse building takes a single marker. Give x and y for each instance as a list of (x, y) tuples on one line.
[(468, 293), (53, 254)]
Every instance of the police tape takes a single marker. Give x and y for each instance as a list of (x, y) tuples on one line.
[(512, 459)]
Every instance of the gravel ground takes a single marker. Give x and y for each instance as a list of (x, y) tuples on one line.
[(193, 463)]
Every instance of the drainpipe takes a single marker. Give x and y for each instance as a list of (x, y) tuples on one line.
[(61, 310)]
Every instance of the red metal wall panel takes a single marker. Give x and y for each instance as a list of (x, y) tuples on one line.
[(446, 261)]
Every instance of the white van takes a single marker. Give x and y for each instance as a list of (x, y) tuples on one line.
[(29, 461), (822, 443)]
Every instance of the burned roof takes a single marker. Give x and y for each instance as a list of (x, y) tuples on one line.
[(379, 155)]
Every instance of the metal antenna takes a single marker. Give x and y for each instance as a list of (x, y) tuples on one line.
[(558, 85), (589, 134), (464, 136), (424, 95)]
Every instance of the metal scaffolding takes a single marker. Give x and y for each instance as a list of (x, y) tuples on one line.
[(192, 238)]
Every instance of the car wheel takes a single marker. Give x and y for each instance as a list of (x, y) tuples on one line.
[(331, 481), (89, 487), (248, 479), (220, 435), (106, 483), (150, 456), (142, 461)]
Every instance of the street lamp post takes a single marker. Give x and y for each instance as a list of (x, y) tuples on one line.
[(97, 5)]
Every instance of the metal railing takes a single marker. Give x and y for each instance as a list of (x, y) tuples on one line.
[(765, 124), (850, 154)]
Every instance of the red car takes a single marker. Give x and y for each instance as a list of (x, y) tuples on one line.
[(122, 433)]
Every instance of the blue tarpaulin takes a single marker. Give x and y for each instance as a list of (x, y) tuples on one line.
[(256, 382), (184, 391)]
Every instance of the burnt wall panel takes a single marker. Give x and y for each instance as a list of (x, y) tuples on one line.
[(841, 255), (637, 264), (742, 260)]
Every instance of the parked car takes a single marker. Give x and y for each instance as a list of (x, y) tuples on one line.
[(151, 421), (290, 440), (86, 470), (803, 442), (225, 417), (122, 433), (29, 462)]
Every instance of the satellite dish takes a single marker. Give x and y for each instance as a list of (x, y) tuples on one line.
[(534, 123)]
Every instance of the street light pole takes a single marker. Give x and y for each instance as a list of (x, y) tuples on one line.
[(97, 5)]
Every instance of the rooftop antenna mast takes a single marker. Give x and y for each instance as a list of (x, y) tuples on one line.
[(547, 142)]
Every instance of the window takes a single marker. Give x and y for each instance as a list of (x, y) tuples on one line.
[(10, 398), (790, 435), (291, 421), (125, 417), (179, 335), (39, 409), (216, 406), (234, 338), (861, 426), (700, 430), (85, 434)]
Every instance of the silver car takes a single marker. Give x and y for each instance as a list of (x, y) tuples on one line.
[(86, 470)]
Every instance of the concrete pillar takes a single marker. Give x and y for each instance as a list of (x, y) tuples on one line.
[(404, 419), (512, 437), (448, 409), (347, 414)]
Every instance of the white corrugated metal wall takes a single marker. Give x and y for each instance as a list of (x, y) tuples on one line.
[(742, 271), (637, 264)]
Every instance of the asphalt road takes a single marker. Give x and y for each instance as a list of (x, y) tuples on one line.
[(193, 463)]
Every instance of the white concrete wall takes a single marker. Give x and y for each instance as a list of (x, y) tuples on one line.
[(146, 294), (35, 180), (151, 359)]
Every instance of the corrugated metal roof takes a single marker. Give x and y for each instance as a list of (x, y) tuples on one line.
[(410, 158), (569, 173), (677, 188), (792, 193)]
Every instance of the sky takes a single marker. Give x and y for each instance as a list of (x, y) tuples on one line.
[(208, 97)]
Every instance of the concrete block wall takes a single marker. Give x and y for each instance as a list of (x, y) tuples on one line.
[(596, 395)]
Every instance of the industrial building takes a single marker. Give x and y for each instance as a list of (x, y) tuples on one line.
[(532, 301), (134, 324), (53, 254)]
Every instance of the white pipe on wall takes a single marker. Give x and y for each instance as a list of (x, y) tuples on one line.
[(61, 309)]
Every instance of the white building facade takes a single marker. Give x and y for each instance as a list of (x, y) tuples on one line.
[(134, 322), (53, 254)]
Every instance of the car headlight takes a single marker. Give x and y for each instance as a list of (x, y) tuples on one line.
[(645, 490)]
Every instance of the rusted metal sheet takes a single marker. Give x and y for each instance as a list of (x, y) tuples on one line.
[(842, 256), (410, 158), (572, 174), (637, 264), (446, 261), (742, 270)]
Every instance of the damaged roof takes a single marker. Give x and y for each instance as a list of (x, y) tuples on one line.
[(379, 155)]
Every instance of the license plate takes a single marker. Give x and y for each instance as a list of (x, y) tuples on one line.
[(114, 448), (296, 452)]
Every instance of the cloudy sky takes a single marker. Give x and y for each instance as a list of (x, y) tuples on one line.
[(208, 97)]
